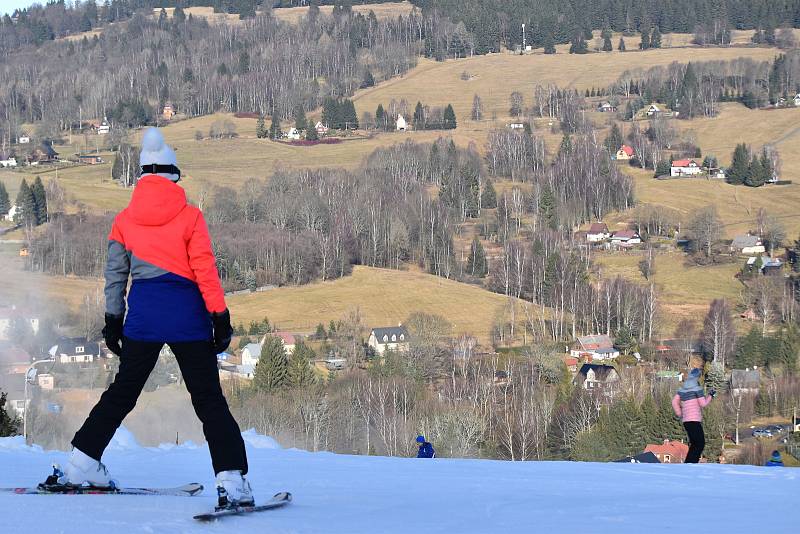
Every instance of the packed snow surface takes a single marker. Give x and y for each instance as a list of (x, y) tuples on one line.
[(354, 494)]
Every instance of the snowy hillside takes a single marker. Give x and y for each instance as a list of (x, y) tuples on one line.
[(355, 494)]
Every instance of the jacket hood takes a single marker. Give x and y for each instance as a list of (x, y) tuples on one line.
[(156, 201)]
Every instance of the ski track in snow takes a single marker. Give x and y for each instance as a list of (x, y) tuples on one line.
[(357, 494)]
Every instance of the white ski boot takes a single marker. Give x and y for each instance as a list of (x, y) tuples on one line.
[(83, 470), (233, 490)]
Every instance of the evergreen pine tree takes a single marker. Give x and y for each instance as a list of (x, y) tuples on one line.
[(380, 117), (767, 169), (275, 127), (607, 46), (261, 129), (330, 113), (565, 148), (419, 117), (715, 378), (476, 262), (755, 173), (578, 45), (547, 208), (748, 350), (299, 372), (40, 201), (8, 426), (272, 369), (311, 134), (26, 205), (621, 44), (348, 113), (5, 203), (549, 43), (645, 42), (300, 121), (449, 118), (614, 139), (369, 80), (740, 165), (655, 38), (489, 196)]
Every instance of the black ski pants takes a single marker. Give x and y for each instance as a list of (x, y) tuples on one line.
[(198, 364), (697, 441)]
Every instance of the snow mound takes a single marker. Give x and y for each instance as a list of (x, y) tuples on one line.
[(259, 441), (17, 443), (123, 440)]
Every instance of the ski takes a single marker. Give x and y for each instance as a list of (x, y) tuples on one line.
[(187, 490), (280, 499)]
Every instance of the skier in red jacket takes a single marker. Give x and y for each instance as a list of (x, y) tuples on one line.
[(162, 243)]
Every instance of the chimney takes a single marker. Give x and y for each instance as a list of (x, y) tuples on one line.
[(666, 442)]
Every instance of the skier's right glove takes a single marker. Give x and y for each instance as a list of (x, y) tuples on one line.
[(223, 331), (112, 333), (712, 392)]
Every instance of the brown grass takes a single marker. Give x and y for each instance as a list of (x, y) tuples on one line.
[(383, 297), (293, 15)]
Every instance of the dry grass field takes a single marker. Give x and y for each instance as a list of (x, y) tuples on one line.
[(384, 297), (684, 292), (382, 11)]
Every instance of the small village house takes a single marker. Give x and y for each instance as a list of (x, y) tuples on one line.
[(24, 139), (654, 110), (685, 167), (764, 265), (796, 100), (747, 244), (625, 238), (321, 129), (168, 112), (293, 134), (606, 107), (76, 350), (90, 159), (45, 381), (625, 153), (103, 128), (44, 154), (394, 338), (597, 347), (7, 161), (571, 364), (669, 452), (598, 379), (516, 126), (12, 213), (251, 353), (597, 232), (745, 381), (401, 125)]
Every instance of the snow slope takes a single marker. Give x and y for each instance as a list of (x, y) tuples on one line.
[(355, 494)]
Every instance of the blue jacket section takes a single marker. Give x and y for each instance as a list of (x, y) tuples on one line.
[(426, 451), (773, 463), (167, 308)]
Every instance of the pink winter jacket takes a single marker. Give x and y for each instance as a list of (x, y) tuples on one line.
[(690, 409)]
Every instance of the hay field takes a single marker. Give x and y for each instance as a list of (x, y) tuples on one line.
[(495, 76), (684, 292), (384, 297), (293, 15)]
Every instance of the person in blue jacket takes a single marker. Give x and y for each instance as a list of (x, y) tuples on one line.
[(775, 461), (425, 448)]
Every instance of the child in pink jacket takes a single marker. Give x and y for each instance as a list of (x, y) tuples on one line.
[(688, 404)]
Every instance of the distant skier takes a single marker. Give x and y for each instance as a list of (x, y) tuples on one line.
[(176, 298), (425, 448), (775, 460), (688, 404)]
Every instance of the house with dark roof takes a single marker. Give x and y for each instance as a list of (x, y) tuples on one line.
[(641, 458), (747, 244), (745, 381), (394, 338), (598, 347), (13, 386), (606, 107), (76, 350), (597, 232), (598, 379), (669, 452)]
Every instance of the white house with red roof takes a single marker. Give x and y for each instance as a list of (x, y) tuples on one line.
[(625, 238), (289, 341), (669, 452), (685, 167), (597, 347), (625, 153), (597, 232)]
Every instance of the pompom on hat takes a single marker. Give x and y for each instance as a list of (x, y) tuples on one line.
[(157, 157)]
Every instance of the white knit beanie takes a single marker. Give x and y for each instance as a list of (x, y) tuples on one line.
[(156, 151)]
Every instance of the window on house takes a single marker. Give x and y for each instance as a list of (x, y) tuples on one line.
[(394, 337), (385, 338), (78, 350), (402, 337), (666, 458)]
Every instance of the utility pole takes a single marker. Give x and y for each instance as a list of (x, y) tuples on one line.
[(524, 42)]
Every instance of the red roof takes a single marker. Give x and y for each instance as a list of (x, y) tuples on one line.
[(570, 361), (673, 448), (684, 163), (628, 150), (288, 339), (598, 228), (625, 234)]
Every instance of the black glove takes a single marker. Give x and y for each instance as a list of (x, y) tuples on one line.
[(712, 392), (222, 330), (112, 333)]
